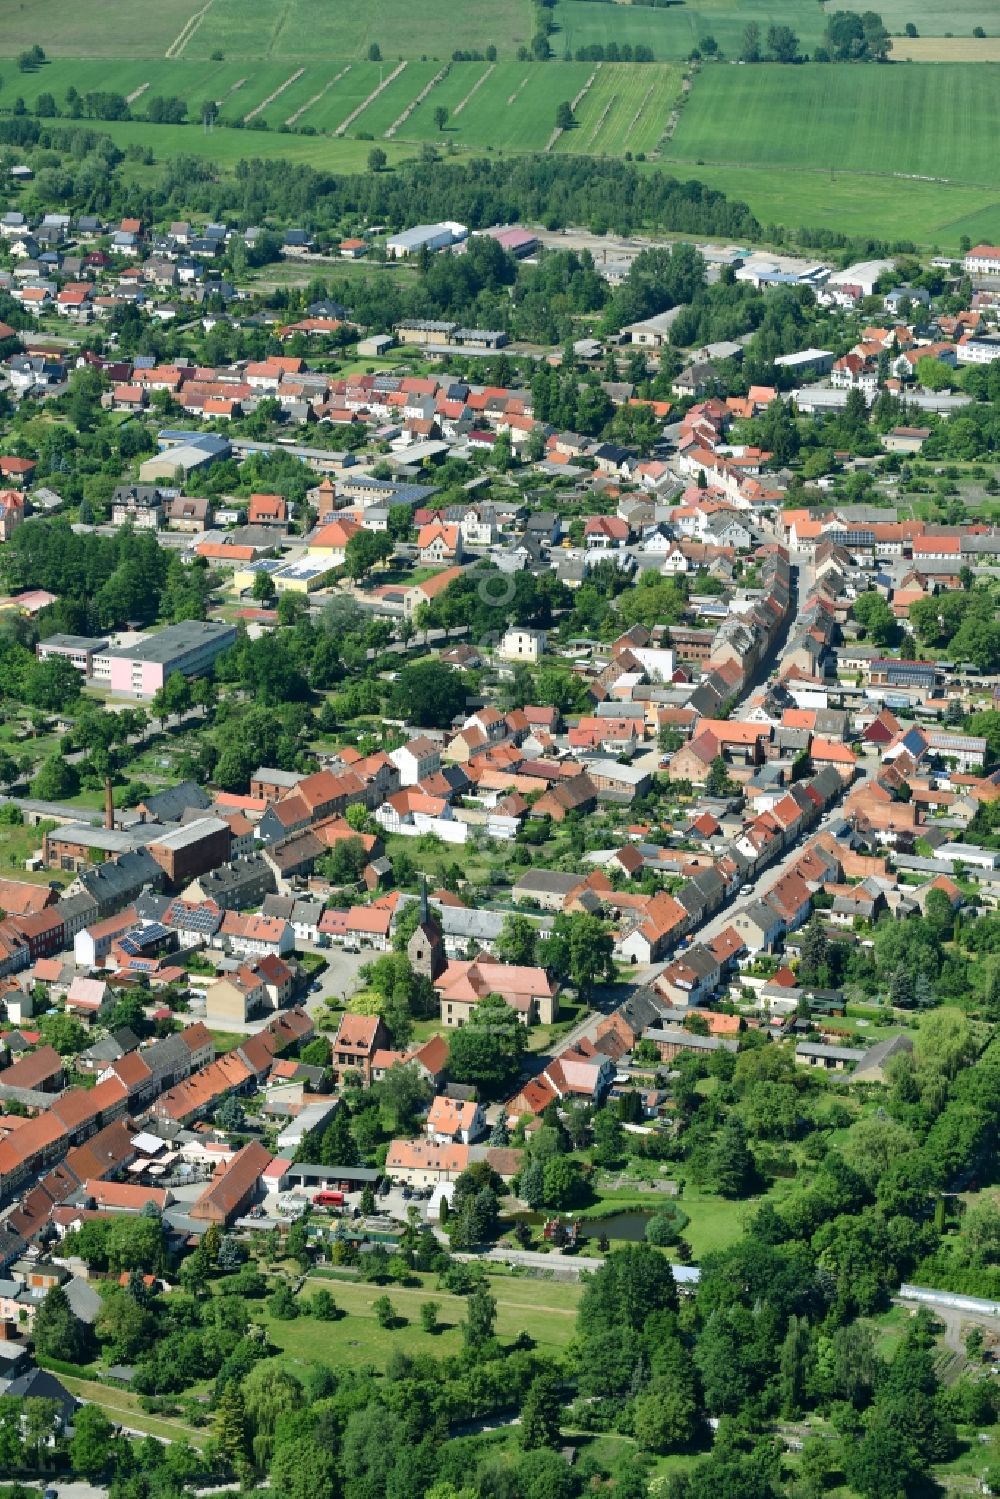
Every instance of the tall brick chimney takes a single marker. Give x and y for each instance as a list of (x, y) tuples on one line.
[(109, 804)]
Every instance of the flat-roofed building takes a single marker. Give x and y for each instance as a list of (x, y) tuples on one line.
[(140, 669)]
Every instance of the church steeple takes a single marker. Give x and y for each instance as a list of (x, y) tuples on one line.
[(425, 948)]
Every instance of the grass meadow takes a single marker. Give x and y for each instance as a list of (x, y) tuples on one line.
[(545, 1309)]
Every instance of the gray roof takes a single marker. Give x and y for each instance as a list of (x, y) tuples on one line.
[(39, 1384), (170, 804), (121, 878), (460, 921), (83, 1299), (549, 881), (177, 639), (831, 1053), (677, 1036), (881, 1052)]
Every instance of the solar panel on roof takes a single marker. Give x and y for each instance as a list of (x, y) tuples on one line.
[(154, 932)]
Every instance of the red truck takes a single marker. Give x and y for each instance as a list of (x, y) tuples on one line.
[(328, 1200)]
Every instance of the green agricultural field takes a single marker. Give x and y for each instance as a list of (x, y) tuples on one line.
[(931, 18), (886, 151), (115, 28), (514, 108), (627, 109), (297, 29), (341, 88), (397, 96), (675, 30)]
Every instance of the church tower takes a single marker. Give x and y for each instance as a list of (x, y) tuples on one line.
[(425, 948)]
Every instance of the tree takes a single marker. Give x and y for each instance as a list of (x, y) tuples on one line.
[(231, 1115), (901, 987), (750, 47), (883, 1463), (440, 117), (666, 1226), (814, 957), (428, 694), (402, 1094), (487, 1050), (56, 780), (229, 1426), (718, 781), (732, 1165), (531, 1184), (231, 1254), (281, 1303), (591, 952), (480, 1317), (782, 44), (560, 1182), (564, 116), (939, 914), (540, 1413), (263, 587), (945, 1042), (633, 1284), (665, 1418), (90, 1451), (876, 618), (385, 1312), (58, 1332), (365, 550), (429, 1316), (377, 159)]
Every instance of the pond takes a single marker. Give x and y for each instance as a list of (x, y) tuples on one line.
[(630, 1227)]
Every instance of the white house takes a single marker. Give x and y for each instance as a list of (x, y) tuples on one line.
[(415, 760), (522, 644)]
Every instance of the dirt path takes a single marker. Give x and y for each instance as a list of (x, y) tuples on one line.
[(136, 93)]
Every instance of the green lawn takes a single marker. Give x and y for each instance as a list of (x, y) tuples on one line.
[(885, 151), (544, 1309), (224, 1040), (18, 844), (124, 1409), (227, 147)]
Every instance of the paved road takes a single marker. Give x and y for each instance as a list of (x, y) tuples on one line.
[(569, 1265)]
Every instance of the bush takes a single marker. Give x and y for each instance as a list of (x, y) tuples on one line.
[(666, 1226)]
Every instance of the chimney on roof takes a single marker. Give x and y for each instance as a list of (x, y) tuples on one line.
[(109, 805)]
